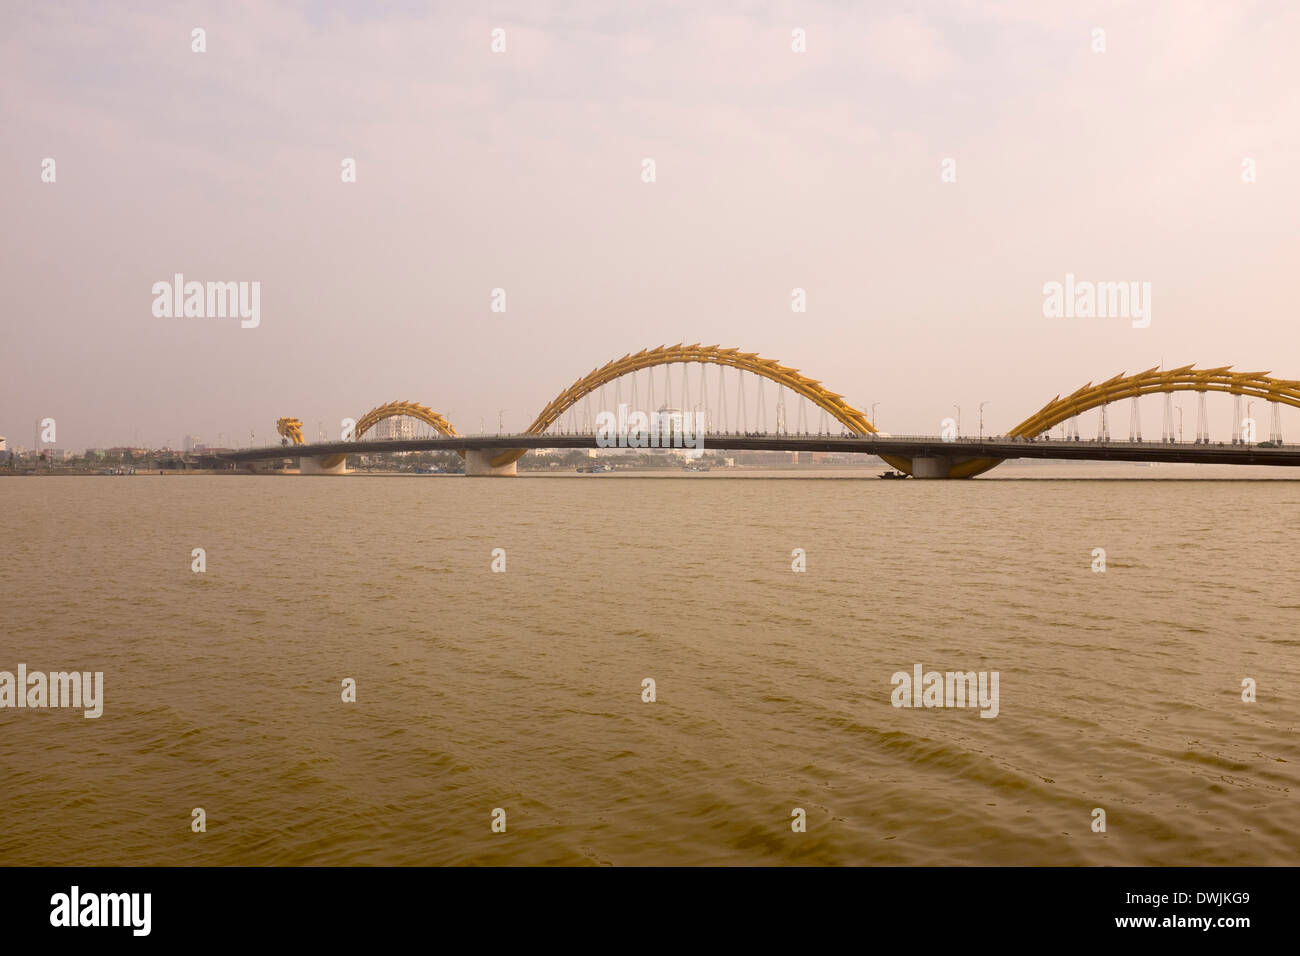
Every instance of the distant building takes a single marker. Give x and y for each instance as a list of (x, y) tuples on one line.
[(395, 429)]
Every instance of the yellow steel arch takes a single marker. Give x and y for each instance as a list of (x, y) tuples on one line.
[(395, 410), (1186, 378), (411, 410), (809, 388)]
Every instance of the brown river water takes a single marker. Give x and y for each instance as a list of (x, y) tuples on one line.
[(522, 690)]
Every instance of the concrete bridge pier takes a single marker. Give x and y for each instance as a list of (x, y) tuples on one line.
[(322, 466), (478, 464), (936, 467)]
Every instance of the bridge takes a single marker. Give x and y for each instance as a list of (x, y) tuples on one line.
[(727, 422)]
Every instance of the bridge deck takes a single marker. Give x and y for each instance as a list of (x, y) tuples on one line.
[(905, 446)]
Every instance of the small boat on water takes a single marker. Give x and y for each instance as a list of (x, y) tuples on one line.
[(894, 474)]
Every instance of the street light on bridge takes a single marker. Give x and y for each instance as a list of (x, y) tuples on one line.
[(873, 414), (958, 407), (982, 404)]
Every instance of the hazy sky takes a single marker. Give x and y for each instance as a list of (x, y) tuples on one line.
[(522, 170)]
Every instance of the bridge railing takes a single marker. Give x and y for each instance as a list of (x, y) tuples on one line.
[(900, 437)]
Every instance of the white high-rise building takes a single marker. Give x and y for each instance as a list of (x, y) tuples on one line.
[(395, 429)]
